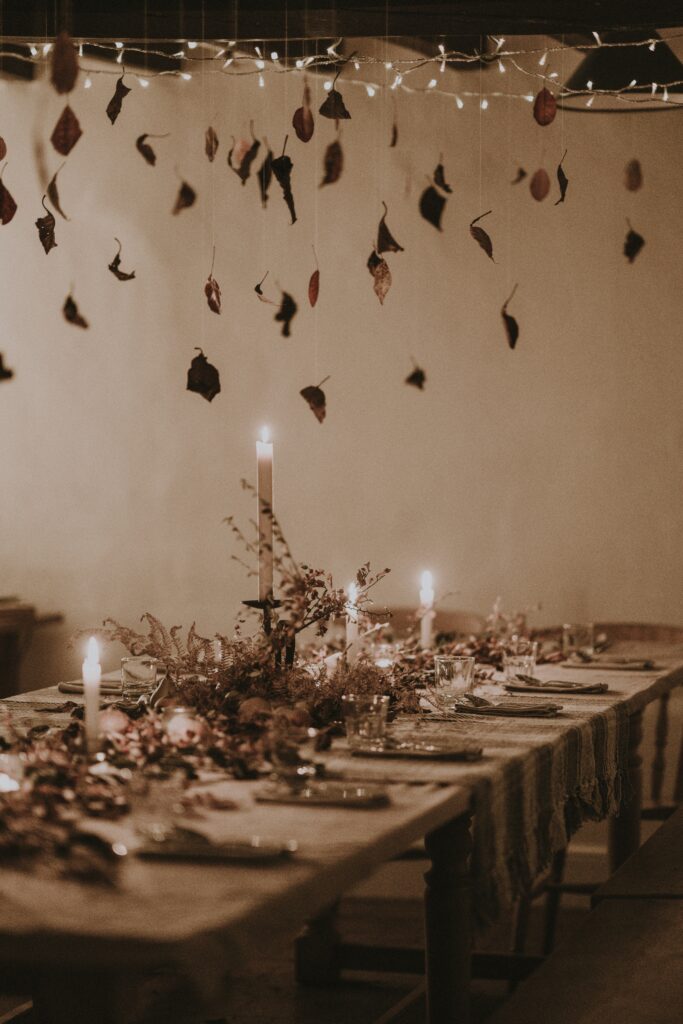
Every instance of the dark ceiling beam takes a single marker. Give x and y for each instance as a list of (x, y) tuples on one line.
[(280, 19)]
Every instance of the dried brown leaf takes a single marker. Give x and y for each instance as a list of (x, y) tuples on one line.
[(8, 207), (333, 163), (315, 396), (265, 176), (314, 287), (440, 179), (333, 107), (53, 194), (46, 229), (186, 197), (431, 206), (241, 156), (511, 325), (379, 268), (481, 236), (539, 186), (385, 240), (203, 377), (286, 313), (71, 313), (66, 132), (633, 243), (63, 63), (394, 135), (210, 143), (114, 105), (212, 289), (144, 148), (5, 372), (303, 122), (633, 175), (562, 180), (520, 176), (3, 148), (116, 263), (417, 378), (282, 168), (545, 107)]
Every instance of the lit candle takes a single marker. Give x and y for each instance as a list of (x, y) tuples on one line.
[(352, 622), (264, 476), (92, 674), (426, 612)]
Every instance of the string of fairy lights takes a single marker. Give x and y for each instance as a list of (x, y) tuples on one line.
[(233, 58)]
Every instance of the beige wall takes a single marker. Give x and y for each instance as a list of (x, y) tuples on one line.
[(548, 474)]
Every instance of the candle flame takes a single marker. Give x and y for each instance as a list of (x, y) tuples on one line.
[(93, 655), (265, 435)]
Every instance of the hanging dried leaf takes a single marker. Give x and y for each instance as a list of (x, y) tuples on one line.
[(46, 229), (70, 311), (545, 107), (394, 135), (64, 63), (186, 197), (314, 287), (242, 155), (379, 268), (66, 132), (562, 180), (303, 122), (333, 107), (480, 236), (114, 105), (53, 194), (539, 186), (520, 176), (3, 149), (417, 378), (210, 144), (203, 377), (385, 240), (333, 163), (315, 396), (286, 313), (8, 207), (440, 180), (212, 289), (282, 169), (145, 149), (633, 243), (116, 263), (511, 326), (265, 176), (633, 175), (258, 288), (5, 372), (431, 206)]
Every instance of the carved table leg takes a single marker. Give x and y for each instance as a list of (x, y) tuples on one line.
[(448, 940), (661, 736), (624, 830)]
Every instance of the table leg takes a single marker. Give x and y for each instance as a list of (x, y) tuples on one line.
[(624, 829), (448, 940)]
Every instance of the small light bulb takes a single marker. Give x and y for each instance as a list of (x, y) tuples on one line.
[(356, 65), (597, 38), (327, 85), (442, 48), (632, 83), (331, 50), (397, 81), (261, 81), (665, 94), (231, 43), (388, 65), (499, 42), (432, 84), (274, 55), (80, 49), (144, 82), (589, 102), (180, 54), (652, 46), (543, 60), (34, 51), (459, 103), (484, 104), (529, 97), (258, 51), (119, 46), (589, 84), (553, 74), (87, 84), (228, 62), (119, 58), (501, 67), (191, 44), (654, 88), (185, 75), (46, 49), (299, 63), (260, 64), (370, 89)]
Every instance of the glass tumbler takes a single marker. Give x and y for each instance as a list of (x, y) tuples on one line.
[(138, 676), (516, 665), (365, 717), (578, 639), (453, 677)]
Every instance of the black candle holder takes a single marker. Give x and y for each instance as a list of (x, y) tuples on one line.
[(266, 607), (278, 640)]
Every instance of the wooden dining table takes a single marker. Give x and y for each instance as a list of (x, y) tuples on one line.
[(489, 828)]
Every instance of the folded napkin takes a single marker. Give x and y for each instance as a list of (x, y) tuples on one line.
[(555, 686), (326, 794), (76, 686), (615, 664), (424, 749), (514, 708)]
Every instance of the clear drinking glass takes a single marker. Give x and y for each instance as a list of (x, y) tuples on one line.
[(518, 665), (156, 803), (520, 645), (453, 677), (138, 676), (578, 639), (365, 716)]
